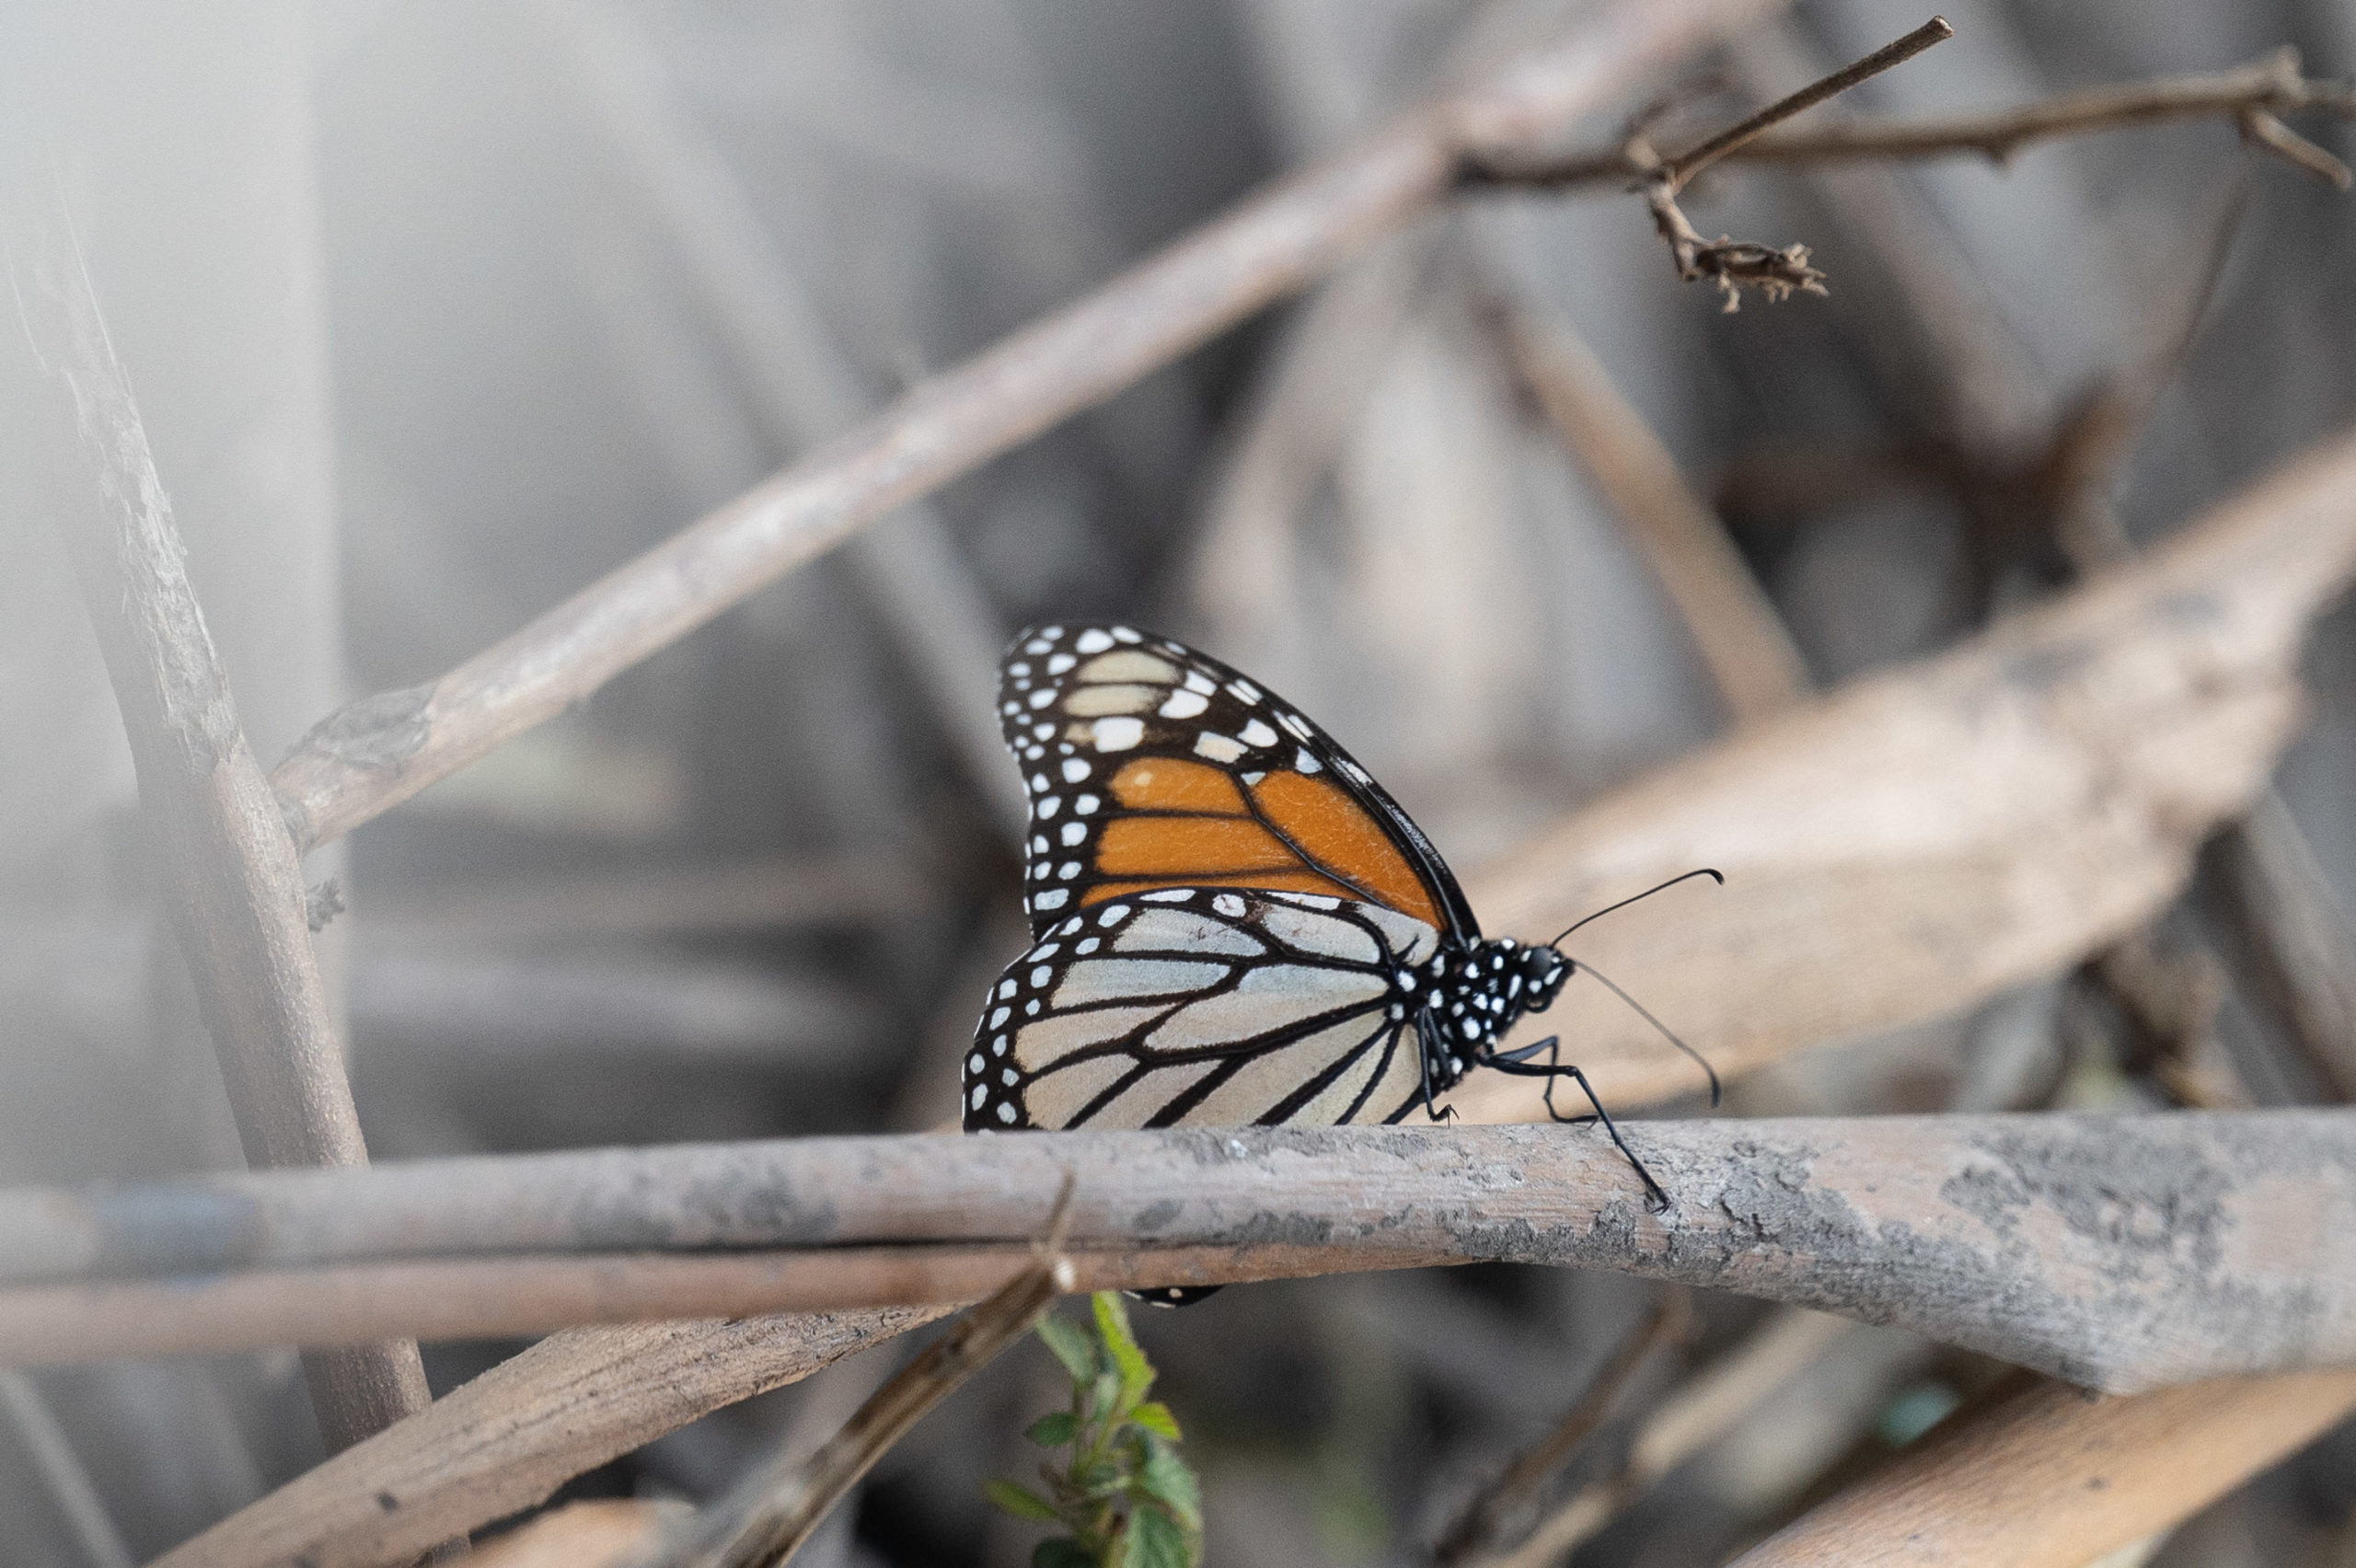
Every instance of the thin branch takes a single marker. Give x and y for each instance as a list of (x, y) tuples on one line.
[(365, 759), (767, 1516), (1510, 1498), (2046, 1476), (1843, 1214), (236, 893), (1681, 169), (2269, 87)]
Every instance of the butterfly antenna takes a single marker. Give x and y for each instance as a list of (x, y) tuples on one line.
[(1666, 1034), (1715, 876)]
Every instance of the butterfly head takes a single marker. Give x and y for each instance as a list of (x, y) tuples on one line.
[(1543, 970)]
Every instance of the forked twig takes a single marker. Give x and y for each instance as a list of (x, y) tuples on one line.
[(2255, 97), (1734, 264)]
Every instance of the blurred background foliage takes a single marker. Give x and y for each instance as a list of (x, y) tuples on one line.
[(439, 310)]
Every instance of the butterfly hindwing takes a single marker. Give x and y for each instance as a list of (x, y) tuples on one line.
[(1150, 764), (1211, 1007)]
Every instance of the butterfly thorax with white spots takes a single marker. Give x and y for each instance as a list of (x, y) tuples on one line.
[(1466, 998)]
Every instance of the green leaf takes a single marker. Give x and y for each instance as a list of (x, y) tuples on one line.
[(1021, 1502), (1170, 1480), (1054, 1431), (1154, 1539), (1155, 1417), (1112, 1324), (1061, 1552), (1072, 1347)]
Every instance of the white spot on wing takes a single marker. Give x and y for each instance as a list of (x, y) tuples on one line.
[(1118, 734), (1258, 734), (1092, 640), (1076, 769), (1052, 899), (1218, 747), (1130, 665), (1130, 698), (1073, 832), (1184, 705)]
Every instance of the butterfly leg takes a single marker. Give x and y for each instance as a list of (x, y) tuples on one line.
[(1518, 1064), (1424, 1025)]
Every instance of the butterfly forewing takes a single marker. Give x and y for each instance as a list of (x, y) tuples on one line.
[(1151, 765), (1205, 1006)]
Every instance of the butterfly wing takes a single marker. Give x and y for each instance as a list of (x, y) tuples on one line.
[(1151, 766), (1206, 1007)]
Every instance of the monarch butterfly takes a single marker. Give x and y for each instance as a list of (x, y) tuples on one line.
[(1233, 924)]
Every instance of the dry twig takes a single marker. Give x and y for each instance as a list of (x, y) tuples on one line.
[(768, 1515), (237, 898), (2264, 90), (1734, 265)]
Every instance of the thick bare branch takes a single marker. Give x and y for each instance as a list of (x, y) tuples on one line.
[(367, 757), (2053, 1477), (235, 885), (2229, 1243)]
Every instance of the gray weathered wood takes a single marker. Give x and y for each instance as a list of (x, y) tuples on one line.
[(2122, 1253), (233, 884)]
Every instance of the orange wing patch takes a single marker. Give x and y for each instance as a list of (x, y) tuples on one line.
[(1206, 834), (1158, 784), (1175, 848), (1337, 836)]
